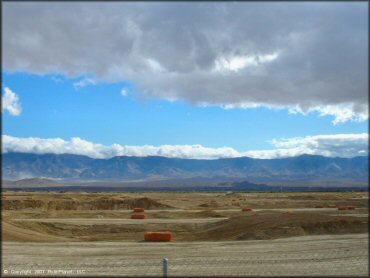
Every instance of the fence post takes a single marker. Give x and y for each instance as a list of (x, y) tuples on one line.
[(165, 267)]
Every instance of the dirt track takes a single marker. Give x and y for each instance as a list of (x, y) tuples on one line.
[(308, 255), (283, 235), (207, 216)]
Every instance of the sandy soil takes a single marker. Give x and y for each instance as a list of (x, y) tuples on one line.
[(297, 256), (199, 200), (67, 216), (48, 231)]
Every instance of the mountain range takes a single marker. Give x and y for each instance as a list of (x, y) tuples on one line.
[(304, 169)]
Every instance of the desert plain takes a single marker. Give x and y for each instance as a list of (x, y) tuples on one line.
[(87, 234)]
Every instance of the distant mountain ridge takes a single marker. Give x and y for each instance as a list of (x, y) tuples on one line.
[(293, 169)]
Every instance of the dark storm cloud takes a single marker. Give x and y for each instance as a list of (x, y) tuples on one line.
[(305, 56)]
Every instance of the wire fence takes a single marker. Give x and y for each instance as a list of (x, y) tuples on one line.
[(344, 263)]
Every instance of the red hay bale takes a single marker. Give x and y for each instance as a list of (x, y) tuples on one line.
[(319, 206), (138, 216), (158, 236), (247, 209), (350, 207), (138, 209)]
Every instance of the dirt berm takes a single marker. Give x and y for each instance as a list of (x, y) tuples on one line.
[(258, 225), (102, 203), (271, 225)]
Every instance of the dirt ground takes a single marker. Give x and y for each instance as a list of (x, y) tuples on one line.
[(179, 200), (329, 255), (96, 227), (48, 217)]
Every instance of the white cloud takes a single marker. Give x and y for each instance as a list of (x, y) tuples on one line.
[(342, 112), (236, 63), (277, 153), (342, 145), (11, 103), (124, 92), (312, 56), (83, 83), (82, 147), (267, 58), (59, 146)]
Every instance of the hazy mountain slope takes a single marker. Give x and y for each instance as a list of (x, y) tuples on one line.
[(66, 166)]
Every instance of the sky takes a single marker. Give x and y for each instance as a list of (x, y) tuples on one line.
[(180, 79)]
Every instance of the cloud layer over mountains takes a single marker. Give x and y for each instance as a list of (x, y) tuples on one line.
[(339, 145), (307, 57)]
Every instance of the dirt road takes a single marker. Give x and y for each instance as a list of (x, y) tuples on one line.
[(307, 255)]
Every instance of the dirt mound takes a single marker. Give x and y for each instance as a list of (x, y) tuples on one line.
[(19, 208), (254, 225), (10, 232), (145, 203), (98, 203), (271, 225), (52, 232), (21, 204)]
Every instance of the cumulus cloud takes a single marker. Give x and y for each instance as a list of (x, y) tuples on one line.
[(11, 102), (309, 57), (341, 145), (82, 147), (342, 112)]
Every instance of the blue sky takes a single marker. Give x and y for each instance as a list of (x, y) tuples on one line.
[(101, 114), (174, 97)]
